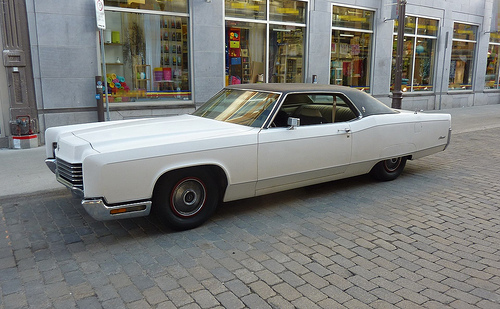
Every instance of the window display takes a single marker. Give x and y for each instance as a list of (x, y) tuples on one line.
[(462, 57), (146, 57), (418, 54), (286, 48), (351, 49), (492, 68), (245, 56)]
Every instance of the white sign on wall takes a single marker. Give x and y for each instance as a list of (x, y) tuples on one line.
[(99, 14)]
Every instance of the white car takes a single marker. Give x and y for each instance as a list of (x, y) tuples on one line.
[(247, 140)]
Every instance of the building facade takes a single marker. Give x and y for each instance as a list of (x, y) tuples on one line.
[(162, 57)]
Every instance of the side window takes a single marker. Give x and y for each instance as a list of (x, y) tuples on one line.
[(343, 111), (313, 109), (309, 108)]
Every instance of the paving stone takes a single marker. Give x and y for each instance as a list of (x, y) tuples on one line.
[(287, 291), (229, 300), (312, 293), (255, 301), (204, 299)]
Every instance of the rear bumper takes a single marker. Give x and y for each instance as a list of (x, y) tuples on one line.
[(98, 209), (449, 139)]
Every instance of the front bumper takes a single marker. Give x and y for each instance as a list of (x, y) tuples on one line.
[(98, 209)]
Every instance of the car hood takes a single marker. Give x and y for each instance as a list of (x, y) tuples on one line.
[(129, 134)]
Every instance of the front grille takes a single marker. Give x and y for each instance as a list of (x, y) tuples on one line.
[(70, 173)]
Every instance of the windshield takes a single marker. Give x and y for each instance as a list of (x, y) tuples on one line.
[(249, 108)]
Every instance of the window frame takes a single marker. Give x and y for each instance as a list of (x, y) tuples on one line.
[(268, 27), (415, 36), (496, 81), (474, 56), (354, 30), (187, 15)]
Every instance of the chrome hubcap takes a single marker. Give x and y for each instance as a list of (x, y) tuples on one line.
[(188, 197), (392, 164)]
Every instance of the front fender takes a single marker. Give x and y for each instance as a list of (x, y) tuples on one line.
[(135, 179)]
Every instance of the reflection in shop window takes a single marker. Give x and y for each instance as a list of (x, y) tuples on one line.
[(288, 11), (146, 57), (492, 67), (286, 47), (345, 17), (177, 6), (462, 57), (418, 54), (252, 9)]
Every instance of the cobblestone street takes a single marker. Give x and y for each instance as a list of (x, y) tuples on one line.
[(430, 239)]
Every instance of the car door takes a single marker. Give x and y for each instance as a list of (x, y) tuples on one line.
[(307, 154)]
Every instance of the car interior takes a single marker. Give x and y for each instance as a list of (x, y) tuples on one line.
[(314, 109)]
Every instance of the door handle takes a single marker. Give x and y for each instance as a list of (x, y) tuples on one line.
[(346, 130)]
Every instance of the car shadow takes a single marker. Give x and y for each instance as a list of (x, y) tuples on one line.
[(309, 195)]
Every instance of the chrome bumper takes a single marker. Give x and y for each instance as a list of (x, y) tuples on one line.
[(51, 164), (98, 209)]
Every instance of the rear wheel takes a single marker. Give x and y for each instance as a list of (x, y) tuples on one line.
[(186, 199), (389, 169)]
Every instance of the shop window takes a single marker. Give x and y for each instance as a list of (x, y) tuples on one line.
[(146, 57), (177, 6), (350, 49), (462, 57), (252, 37), (418, 54), (350, 59), (286, 47), (245, 56), (492, 68)]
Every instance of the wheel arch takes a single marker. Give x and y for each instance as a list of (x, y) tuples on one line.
[(219, 174)]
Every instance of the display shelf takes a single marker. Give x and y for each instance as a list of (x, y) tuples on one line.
[(139, 81), (174, 55)]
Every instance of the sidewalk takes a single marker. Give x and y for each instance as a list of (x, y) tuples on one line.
[(23, 171)]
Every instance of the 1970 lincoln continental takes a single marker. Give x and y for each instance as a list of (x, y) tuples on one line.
[(247, 140)]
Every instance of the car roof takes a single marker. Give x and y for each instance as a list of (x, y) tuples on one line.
[(365, 103), (294, 87)]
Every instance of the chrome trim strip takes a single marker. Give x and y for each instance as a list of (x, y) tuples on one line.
[(98, 209)]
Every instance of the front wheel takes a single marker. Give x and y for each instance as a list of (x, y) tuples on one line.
[(186, 199), (388, 169)]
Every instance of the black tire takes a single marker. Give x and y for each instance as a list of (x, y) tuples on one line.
[(389, 169), (186, 199)]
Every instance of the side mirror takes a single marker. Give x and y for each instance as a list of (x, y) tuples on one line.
[(293, 122)]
